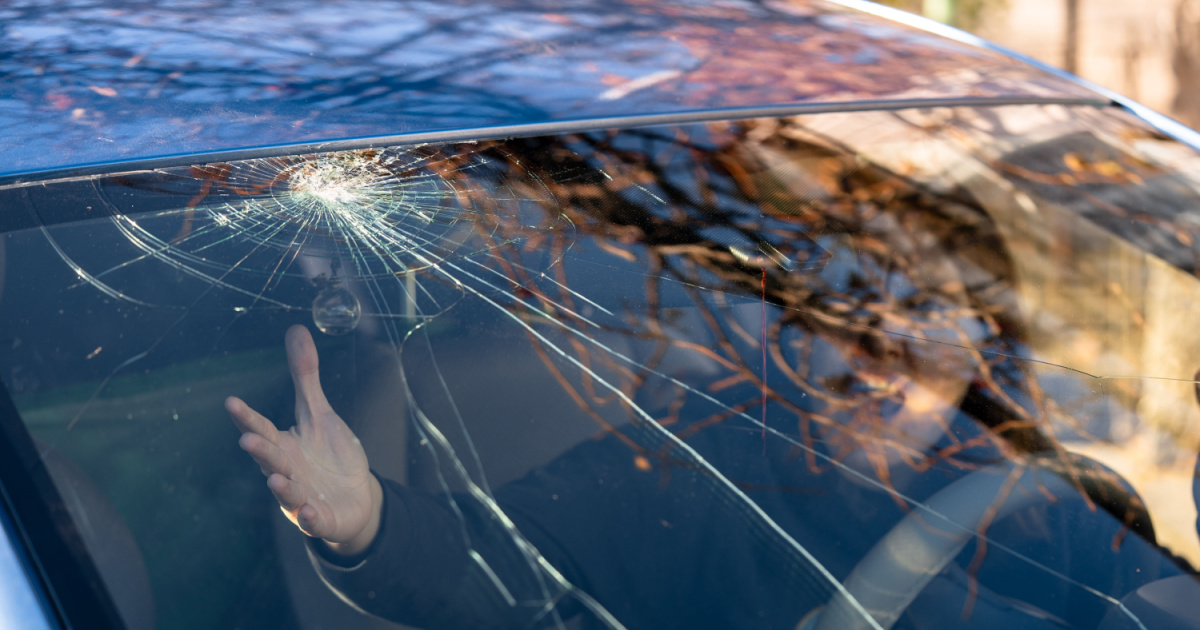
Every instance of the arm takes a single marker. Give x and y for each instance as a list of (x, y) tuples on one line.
[(651, 545), (436, 566), (397, 553)]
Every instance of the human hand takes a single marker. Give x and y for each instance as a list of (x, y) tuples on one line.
[(317, 469)]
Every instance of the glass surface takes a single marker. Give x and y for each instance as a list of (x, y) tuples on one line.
[(914, 369)]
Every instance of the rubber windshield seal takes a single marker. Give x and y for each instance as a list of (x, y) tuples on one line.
[(36, 178)]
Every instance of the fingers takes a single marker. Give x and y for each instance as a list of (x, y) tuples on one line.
[(302, 361), (291, 499), (289, 494), (309, 521), (249, 420), (270, 457)]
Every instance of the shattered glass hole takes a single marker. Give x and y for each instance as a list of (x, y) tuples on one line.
[(336, 311)]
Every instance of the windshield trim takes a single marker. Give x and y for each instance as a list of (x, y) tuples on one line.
[(40, 177)]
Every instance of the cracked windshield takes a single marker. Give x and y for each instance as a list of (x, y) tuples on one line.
[(912, 369)]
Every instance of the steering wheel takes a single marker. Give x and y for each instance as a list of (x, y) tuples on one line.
[(887, 580)]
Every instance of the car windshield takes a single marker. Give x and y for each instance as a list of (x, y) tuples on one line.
[(916, 369)]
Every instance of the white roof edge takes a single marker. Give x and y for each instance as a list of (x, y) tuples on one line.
[(1162, 122)]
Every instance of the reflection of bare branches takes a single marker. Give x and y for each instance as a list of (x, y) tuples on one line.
[(989, 515), (797, 292), (893, 303), (876, 359)]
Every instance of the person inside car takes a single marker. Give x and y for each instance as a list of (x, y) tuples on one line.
[(907, 381)]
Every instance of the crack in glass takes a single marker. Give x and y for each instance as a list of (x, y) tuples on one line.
[(768, 317)]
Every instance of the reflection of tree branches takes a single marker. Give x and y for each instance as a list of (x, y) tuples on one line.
[(896, 232), (894, 299), (674, 240)]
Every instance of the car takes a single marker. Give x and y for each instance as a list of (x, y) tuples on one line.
[(807, 314)]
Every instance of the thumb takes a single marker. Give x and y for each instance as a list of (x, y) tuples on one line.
[(302, 361)]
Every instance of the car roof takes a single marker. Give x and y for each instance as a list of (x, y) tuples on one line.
[(92, 83)]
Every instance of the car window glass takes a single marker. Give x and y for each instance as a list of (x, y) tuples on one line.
[(912, 369)]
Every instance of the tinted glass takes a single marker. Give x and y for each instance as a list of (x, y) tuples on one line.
[(916, 369)]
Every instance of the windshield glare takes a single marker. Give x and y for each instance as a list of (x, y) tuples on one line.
[(911, 369)]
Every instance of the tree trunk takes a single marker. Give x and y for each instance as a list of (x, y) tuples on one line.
[(1186, 62), (1071, 38)]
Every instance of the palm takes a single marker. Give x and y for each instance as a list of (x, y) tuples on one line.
[(317, 469), (331, 468)]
